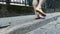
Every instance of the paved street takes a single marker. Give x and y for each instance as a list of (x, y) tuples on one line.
[(28, 20), (50, 28), (22, 19)]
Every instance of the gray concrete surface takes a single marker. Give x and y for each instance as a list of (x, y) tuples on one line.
[(50, 28), (22, 19), (24, 24)]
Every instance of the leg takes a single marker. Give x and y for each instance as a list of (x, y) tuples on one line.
[(36, 13), (35, 3), (40, 6)]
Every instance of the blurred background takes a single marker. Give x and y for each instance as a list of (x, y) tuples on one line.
[(9, 8)]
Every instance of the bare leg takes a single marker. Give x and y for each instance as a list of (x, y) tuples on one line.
[(40, 6), (35, 3)]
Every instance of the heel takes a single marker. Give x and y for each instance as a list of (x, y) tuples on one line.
[(38, 18)]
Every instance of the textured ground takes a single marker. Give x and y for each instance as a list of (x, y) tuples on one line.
[(54, 25)]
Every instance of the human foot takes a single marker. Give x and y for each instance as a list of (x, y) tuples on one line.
[(37, 17), (42, 13)]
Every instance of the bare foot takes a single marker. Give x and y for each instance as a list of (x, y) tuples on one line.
[(41, 12), (38, 17)]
